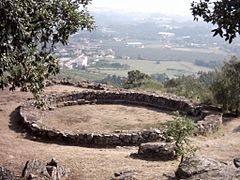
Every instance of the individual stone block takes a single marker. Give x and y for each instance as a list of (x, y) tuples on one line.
[(158, 150)]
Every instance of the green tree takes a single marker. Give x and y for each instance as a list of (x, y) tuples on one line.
[(226, 89), (29, 31), (180, 129), (191, 87), (224, 14), (136, 79)]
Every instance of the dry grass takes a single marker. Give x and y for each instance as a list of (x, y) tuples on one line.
[(104, 118), (100, 164)]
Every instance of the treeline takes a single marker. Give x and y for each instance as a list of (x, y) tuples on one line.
[(219, 87), (102, 64), (209, 64)]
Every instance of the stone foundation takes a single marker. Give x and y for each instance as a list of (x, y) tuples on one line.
[(31, 119)]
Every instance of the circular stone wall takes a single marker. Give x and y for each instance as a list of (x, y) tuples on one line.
[(35, 120)]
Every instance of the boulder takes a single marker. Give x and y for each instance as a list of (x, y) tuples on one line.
[(158, 150), (34, 167), (203, 168), (6, 174), (37, 169)]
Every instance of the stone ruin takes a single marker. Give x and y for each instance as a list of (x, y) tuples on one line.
[(207, 122), (37, 170), (152, 142)]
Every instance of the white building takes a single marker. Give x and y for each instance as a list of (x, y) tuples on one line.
[(82, 61)]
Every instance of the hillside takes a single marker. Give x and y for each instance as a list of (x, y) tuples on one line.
[(97, 163)]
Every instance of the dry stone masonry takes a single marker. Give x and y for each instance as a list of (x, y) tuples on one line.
[(31, 116)]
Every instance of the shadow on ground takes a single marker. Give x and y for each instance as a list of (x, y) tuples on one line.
[(237, 129), (16, 120), (148, 158), (16, 125)]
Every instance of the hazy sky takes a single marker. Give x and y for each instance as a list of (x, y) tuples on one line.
[(171, 7)]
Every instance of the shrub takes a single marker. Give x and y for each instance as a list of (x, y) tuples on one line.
[(180, 129)]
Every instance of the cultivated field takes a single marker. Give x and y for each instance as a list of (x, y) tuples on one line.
[(171, 68)]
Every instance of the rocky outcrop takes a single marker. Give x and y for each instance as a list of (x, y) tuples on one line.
[(203, 168), (36, 169), (158, 150), (6, 174)]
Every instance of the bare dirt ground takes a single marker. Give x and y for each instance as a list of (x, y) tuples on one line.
[(104, 118), (100, 164)]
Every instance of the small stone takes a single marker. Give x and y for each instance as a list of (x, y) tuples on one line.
[(236, 162), (34, 127), (117, 174), (52, 171), (51, 108), (32, 176), (125, 175), (90, 137), (157, 131), (135, 138), (6, 174), (117, 131), (53, 162), (169, 139)]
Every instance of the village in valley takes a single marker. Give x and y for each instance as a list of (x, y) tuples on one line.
[(115, 46)]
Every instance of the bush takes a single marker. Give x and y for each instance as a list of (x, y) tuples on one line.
[(191, 87), (180, 129)]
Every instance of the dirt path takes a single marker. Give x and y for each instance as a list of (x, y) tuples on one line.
[(100, 164), (223, 145)]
